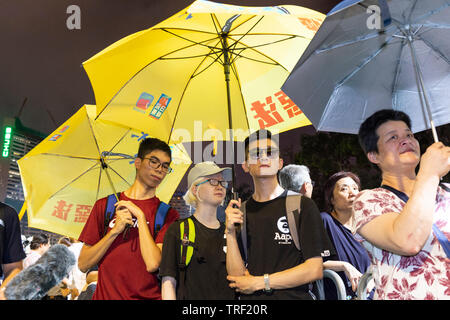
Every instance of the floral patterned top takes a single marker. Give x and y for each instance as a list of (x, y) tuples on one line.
[(425, 276)]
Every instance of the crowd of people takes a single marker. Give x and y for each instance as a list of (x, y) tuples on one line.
[(276, 244)]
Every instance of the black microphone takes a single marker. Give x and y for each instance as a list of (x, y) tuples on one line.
[(34, 282)]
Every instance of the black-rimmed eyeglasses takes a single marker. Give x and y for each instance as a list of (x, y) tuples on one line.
[(155, 163), (215, 183)]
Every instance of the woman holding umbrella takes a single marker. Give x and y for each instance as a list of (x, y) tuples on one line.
[(202, 276), (406, 222)]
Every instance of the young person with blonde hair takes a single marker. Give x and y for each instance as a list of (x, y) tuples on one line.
[(203, 274)]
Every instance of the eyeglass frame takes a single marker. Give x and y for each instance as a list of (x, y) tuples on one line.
[(270, 153), (160, 164), (218, 182)]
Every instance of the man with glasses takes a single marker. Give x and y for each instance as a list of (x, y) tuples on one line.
[(126, 251), (274, 268)]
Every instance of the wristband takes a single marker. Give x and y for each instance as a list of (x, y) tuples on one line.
[(267, 288)]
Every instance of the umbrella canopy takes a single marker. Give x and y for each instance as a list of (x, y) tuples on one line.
[(375, 55), (82, 161), (208, 67)]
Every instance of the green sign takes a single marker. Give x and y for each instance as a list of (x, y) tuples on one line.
[(6, 142)]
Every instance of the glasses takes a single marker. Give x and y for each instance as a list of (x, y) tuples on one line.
[(155, 163), (215, 183), (257, 153)]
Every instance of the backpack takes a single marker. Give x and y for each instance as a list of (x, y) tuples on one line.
[(187, 237), (293, 202), (160, 217)]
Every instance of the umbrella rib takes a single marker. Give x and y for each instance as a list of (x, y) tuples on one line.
[(207, 67), (112, 169), (348, 43), (256, 23), (187, 57), (75, 179), (159, 58), (181, 99), (397, 73), (95, 138), (364, 63), (216, 23), (262, 54), (98, 184), (430, 45), (411, 11), (233, 68), (433, 12), (189, 40), (67, 156), (260, 45), (120, 140), (238, 55), (184, 29)]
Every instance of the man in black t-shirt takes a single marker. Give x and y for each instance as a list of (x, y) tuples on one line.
[(275, 269), (11, 249)]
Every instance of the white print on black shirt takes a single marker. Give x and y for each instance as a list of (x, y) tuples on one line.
[(284, 237)]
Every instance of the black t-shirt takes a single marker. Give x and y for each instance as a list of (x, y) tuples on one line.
[(206, 273), (270, 245), (11, 249)]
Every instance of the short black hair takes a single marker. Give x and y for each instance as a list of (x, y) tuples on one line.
[(261, 134), (330, 184), (367, 134), (150, 144)]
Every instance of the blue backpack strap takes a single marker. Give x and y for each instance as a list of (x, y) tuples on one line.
[(110, 210), (161, 214)]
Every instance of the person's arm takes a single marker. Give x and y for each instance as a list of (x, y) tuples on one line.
[(10, 270), (234, 263), (150, 251), (350, 271), (90, 255), (406, 233), (309, 271), (168, 288)]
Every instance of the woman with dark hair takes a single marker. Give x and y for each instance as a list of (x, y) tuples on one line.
[(340, 191), (38, 246), (405, 223)]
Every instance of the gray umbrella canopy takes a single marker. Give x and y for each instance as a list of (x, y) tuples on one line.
[(374, 55)]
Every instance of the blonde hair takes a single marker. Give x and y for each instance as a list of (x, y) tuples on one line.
[(191, 198)]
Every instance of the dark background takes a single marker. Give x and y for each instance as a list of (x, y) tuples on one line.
[(40, 58), (43, 82)]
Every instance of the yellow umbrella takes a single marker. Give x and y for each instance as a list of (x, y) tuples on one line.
[(204, 70), (82, 161)]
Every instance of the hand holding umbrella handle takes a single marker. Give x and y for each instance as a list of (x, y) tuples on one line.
[(235, 196)]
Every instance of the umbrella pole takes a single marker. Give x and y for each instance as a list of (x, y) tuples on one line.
[(105, 168), (226, 70), (421, 88)]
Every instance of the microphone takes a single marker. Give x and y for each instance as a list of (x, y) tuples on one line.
[(34, 282)]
